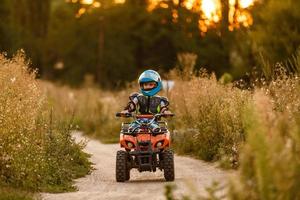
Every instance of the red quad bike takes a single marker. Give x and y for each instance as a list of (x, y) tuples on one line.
[(144, 149)]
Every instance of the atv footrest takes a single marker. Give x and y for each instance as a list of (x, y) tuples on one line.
[(135, 153)]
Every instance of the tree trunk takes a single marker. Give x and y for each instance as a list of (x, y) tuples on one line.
[(32, 16), (138, 2), (225, 19)]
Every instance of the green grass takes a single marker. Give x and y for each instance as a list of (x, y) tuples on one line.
[(14, 194)]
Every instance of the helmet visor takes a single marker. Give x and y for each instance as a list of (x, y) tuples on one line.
[(148, 85)]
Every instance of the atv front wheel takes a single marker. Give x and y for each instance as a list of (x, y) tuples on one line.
[(122, 173), (168, 160), (127, 173)]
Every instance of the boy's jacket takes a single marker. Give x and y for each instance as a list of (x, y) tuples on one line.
[(147, 105)]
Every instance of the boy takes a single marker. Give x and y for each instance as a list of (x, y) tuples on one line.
[(147, 102)]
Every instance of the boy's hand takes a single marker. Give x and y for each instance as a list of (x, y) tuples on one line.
[(124, 111), (167, 112)]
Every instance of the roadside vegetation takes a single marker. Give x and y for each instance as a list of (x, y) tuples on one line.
[(252, 126), (264, 138), (208, 122), (209, 111), (93, 110), (37, 152)]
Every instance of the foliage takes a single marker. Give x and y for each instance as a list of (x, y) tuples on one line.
[(276, 33), (36, 154), (93, 109), (265, 173), (213, 193), (98, 42), (13, 194), (208, 120), (269, 158)]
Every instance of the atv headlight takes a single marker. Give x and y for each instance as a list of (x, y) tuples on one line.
[(159, 144), (129, 144)]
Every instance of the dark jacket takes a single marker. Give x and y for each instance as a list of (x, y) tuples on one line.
[(147, 105)]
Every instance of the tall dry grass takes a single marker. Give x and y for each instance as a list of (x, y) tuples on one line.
[(92, 109), (257, 128), (35, 153), (270, 155), (270, 160), (208, 113), (208, 121)]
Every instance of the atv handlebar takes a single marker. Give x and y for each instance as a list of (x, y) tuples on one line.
[(119, 114), (127, 115), (165, 115)]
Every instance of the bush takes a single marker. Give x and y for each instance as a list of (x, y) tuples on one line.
[(35, 153), (276, 32), (93, 110), (208, 117), (270, 162), (13, 194)]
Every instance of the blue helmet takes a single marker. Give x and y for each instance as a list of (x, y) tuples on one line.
[(150, 76)]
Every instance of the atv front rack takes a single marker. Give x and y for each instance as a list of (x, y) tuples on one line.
[(145, 160), (125, 128)]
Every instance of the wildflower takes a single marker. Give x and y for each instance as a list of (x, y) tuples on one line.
[(13, 79), (71, 95)]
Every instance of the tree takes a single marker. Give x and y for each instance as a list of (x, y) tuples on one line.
[(5, 26), (225, 16), (114, 42), (276, 34), (30, 19)]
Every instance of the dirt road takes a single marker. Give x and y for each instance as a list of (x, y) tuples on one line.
[(190, 176)]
